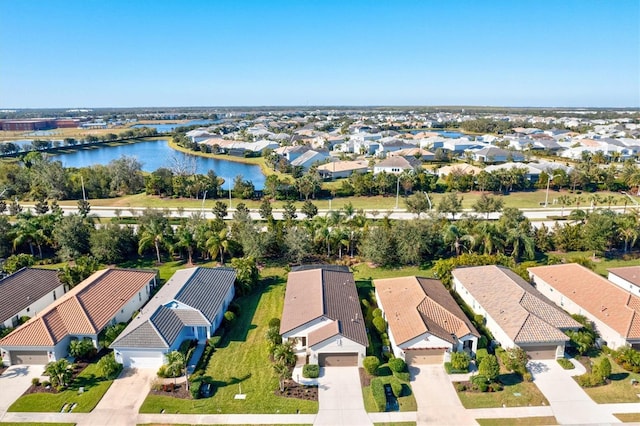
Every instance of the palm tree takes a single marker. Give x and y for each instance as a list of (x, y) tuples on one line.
[(488, 237), (610, 199), (59, 372), (564, 200), (284, 354), (595, 199), (154, 232), (284, 372), (186, 240), (323, 231), (456, 237), (521, 242), (27, 231), (218, 243), (176, 363)]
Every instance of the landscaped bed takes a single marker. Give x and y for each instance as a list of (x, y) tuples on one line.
[(620, 386), (516, 393), (240, 365), (40, 399), (406, 402)]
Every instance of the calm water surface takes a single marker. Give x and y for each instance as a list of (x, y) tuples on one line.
[(156, 154)]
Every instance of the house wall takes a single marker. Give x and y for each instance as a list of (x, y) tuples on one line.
[(624, 284), (498, 333), (303, 331), (225, 304), (612, 337), (36, 306), (337, 344), (134, 304)]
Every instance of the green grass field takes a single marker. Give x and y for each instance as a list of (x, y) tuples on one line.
[(619, 390), (516, 393), (242, 361)]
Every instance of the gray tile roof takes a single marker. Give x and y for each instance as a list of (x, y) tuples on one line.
[(202, 290), (341, 303), (22, 288)]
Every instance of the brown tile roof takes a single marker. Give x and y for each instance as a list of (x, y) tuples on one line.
[(628, 273), (523, 313), (85, 309), (323, 333), (414, 306), (327, 293), (611, 304), (22, 288)]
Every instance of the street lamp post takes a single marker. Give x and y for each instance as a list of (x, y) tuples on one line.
[(546, 198), (397, 191)]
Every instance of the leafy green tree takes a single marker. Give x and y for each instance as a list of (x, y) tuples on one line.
[(266, 211), (289, 214), (284, 353), (73, 235), (18, 261), (283, 372), (84, 207), (460, 361), (59, 372), (309, 209), (489, 368), (247, 274), (418, 203), (450, 204), (220, 210), (112, 243), (297, 241), (487, 204), (176, 364), (72, 275), (371, 364), (109, 334)]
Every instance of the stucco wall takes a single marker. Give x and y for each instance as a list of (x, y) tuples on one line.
[(624, 284), (36, 306)]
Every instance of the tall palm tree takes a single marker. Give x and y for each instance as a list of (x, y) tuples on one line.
[(455, 237), (521, 241), (218, 243), (564, 200), (186, 240), (154, 233)]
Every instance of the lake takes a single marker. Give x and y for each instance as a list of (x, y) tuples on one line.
[(156, 154), (169, 127)]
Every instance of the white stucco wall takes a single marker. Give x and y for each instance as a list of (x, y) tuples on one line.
[(303, 331), (624, 284), (612, 337), (37, 305), (337, 344), (134, 304)]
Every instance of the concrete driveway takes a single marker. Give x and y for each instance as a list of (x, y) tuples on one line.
[(569, 403), (438, 403), (120, 405), (14, 381), (340, 398)]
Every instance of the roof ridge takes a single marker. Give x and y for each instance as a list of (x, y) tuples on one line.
[(523, 323), (156, 330), (84, 312), (46, 327)]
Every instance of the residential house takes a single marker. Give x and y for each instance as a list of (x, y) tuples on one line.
[(425, 322), (322, 313), (191, 305), (461, 168), (310, 158), (515, 312), (292, 152), (614, 311), (497, 155), (419, 153), (396, 165), (27, 292), (626, 277), (107, 297), (342, 169)]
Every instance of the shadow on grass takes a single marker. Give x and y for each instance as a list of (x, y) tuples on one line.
[(383, 371), (406, 390), (510, 379), (618, 376), (86, 382)]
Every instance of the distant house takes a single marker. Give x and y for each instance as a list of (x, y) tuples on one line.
[(342, 169), (515, 312), (27, 292), (462, 168), (419, 153), (396, 165), (614, 311), (497, 155), (107, 297), (198, 135), (322, 313), (310, 158), (425, 322), (190, 305), (627, 278), (292, 152)]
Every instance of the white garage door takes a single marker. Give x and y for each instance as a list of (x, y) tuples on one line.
[(142, 359)]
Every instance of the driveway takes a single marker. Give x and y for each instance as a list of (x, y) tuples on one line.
[(569, 403), (14, 381), (438, 403), (120, 405), (340, 398)]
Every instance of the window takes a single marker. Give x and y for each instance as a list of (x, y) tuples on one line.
[(139, 297), (28, 309), (54, 295)]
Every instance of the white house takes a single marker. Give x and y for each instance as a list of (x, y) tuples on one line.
[(626, 277), (614, 311), (191, 305), (310, 158), (322, 313), (424, 320), (27, 292), (107, 297), (515, 312), (396, 165)]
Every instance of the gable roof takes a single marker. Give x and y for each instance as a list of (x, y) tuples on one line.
[(414, 306), (513, 303), (630, 274), (611, 304), (22, 288), (86, 309), (399, 162), (191, 297), (324, 293)]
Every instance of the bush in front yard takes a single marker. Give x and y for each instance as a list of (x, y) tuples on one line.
[(405, 376), (380, 324), (377, 390), (460, 361), (489, 368), (396, 387), (35, 381), (371, 364), (311, 371), (480, 354), (397, 365), (566, 364)]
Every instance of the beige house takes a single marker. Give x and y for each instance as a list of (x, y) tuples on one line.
[(322, 313), (425, 322), (514, 311), (614, 311)]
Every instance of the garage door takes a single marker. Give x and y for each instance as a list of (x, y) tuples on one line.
[(29, 357), (141, 360), (424, 356), (541, 352), (338, 360)]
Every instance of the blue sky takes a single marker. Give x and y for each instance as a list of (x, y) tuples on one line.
[(116, 53)]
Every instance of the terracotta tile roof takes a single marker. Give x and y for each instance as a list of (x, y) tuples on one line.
[(611, 304), (512, 302), (414, 306), (85, 309), (22, 288), (628, 273), (324, 293), (332, 328)]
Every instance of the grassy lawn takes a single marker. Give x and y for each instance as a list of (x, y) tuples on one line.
[(407, 402), (529, 395), (522, 421), (363, 272), (94, 388), (619, 390), (243, 361), (628, 417), (166, 269)]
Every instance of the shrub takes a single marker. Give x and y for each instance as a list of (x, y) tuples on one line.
[(489, 368), (229, 317), (566, 364), (604, 368), (46, 383), (35, 381), (206, 356), (156, 384), (311, 371), (460, 361), (379, 397), (515, 359), (380, 324), (162, 371), (461, 387), (274, 322), (495, 387), (480, 354), (589, 380), (195, 381), (405, 376), (396, 387), (215, 341), (527, 377), (450, 370), (371, 364), (108, 366), (482, 342), (377, 313), (397, 365), (235, 308), (479, 319)]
